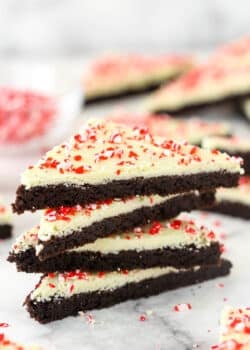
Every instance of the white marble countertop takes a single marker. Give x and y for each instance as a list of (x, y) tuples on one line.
[(119, 327)]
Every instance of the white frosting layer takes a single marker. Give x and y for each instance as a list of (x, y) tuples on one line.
[(240, 194), (5, 214), (52, 226), (115, 74), (68, 284), (105, 151), (202, 85), (235, 325), (227, 144), (170, 235)]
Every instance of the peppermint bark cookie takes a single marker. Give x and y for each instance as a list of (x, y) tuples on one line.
[(204, 86), (59, 295), (109, 160), (70, 227), (115, 76), (177, 243), (235, 329)]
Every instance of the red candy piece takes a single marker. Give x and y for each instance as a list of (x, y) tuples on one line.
[(182, 307), (142, 318), (4, 325), (175, 224), (155, 228)]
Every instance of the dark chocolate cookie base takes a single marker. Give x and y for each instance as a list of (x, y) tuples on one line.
[(124, 222), (195, 108), (234, 209), (5, 231), (185, 257), (52, 196), (59, 308)]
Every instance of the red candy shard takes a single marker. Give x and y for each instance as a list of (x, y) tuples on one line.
[(155, 228), (182, 307)]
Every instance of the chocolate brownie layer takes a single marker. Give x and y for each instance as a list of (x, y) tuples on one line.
[(185, 257), (194, 108), (58, 308), (5, 231), (52, 196), (125, 222), (232, 208)]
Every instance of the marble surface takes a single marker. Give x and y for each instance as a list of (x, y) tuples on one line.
[(120, 327)]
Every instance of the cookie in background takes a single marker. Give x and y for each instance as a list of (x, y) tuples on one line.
[(191, 130), (234, 329), (233, 201), (116, 75), (207, 85), (234, 146)]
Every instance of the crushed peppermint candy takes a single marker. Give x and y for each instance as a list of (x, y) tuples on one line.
[(4, 325), (182, 307), (143, 318), (66, 213), (24, 115), (228, 345), (155, 228)]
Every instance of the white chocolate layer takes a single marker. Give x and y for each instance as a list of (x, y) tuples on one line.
[(240, 194), (109, 151), (85, 216), (227, 144), (115, 74), (68, 284), (235, 326), (5, 214), (202, 85), (142, 238)]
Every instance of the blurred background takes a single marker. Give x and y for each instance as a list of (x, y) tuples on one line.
[(45, 46), (62, 28)]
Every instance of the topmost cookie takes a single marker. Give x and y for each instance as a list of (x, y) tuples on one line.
[(109, 160)]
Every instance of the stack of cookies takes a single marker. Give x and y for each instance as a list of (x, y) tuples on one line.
[(108, 230)]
